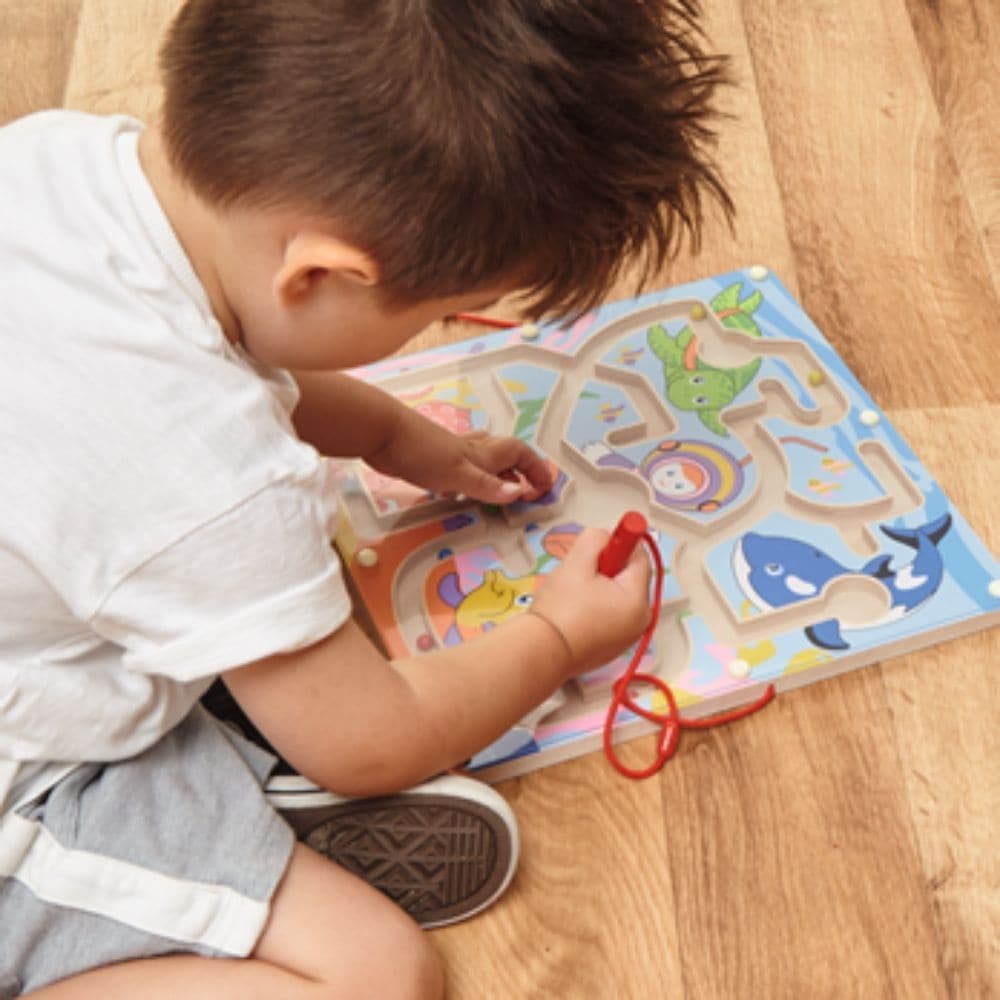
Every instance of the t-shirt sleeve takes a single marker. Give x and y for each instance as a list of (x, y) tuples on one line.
[(258, 580)]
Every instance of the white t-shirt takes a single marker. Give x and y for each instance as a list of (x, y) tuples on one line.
[(159, 519)]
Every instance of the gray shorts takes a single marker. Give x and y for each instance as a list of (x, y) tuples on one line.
[(176, 850)]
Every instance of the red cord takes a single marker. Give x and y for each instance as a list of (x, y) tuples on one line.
[(670, 722), (497, 324)]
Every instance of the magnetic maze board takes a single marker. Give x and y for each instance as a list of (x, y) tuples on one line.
[(800, 534)]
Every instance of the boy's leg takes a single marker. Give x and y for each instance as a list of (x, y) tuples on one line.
[(179, 850), (330, 935), (443, 851)]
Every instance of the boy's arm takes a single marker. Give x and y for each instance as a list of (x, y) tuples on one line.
[(360, 725), (357, 724), (343, 417)]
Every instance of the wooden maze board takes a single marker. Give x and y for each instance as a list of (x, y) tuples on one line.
[(801, 535)]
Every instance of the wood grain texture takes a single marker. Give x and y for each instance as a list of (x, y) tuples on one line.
[(944, 703), (802, 854), (113, 69), (960, 44), (887, 249), (842, 843), (35, 45), (587, 903)]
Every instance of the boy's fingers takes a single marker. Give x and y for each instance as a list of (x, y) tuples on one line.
[(477, 483), (637, 569), (586, 551), (510, 453), (535, 470)]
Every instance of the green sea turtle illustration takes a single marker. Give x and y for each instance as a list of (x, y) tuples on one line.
[(693, 384)]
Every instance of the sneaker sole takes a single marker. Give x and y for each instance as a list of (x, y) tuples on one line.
[(443, 851)]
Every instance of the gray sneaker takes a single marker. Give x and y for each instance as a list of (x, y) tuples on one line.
[(443, 851)]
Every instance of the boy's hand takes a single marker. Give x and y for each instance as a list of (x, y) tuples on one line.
[(598, 616), (483, 467)]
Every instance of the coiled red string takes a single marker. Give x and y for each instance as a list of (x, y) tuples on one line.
[(670, 722)]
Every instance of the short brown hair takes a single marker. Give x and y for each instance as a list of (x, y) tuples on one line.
[(461, 142)]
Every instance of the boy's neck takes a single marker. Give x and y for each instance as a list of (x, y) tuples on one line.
[(193, 222)]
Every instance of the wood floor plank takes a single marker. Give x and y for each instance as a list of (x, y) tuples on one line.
[(744, 157), (592, 905), (945, 706), (114, 59), (945, 703), (792, 855), (960, 42), (887, 252), (36, 41)]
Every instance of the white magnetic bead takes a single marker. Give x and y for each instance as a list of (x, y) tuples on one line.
[(739, 667)]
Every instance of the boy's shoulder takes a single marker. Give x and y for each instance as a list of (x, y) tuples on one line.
[(62, 172), (56, 132), (133, 413)]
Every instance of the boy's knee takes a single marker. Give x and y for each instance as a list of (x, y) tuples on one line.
[(424, 978), (410, 966), (423, 974)]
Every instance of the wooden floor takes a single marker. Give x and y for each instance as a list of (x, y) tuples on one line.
[(843, 843)]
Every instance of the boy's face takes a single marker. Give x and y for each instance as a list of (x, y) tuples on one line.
[(368, 329), (326, 312), (346, 329)]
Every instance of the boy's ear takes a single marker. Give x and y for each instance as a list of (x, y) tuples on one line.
[(311, 255)]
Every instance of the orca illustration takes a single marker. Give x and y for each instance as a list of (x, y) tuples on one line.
[(774, 571)]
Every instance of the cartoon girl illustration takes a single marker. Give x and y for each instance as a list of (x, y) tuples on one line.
[(684, 475)]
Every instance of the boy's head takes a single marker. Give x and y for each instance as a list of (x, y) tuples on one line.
[(460, 144)]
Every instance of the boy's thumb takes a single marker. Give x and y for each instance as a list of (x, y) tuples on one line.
[(586, 548)]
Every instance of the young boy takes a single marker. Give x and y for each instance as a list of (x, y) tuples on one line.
[(326, 178)]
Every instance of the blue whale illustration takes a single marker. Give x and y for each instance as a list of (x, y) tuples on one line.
[(774, 571)]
